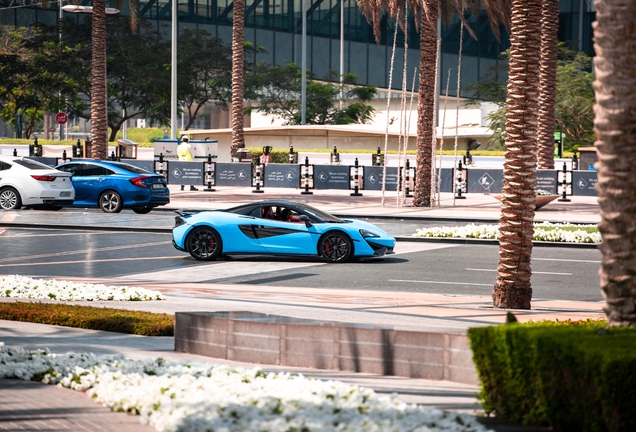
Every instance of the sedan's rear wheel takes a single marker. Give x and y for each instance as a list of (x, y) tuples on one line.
[(335, 247), (110, 202), (204, 244), (10, 199), (143, 209)]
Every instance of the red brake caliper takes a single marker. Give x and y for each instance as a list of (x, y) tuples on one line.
[(328, 247)]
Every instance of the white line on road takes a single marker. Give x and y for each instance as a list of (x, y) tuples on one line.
[(566, 260), (439, 282), (534, 272)]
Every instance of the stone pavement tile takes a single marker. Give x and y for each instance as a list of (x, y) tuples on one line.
[(28, 406)]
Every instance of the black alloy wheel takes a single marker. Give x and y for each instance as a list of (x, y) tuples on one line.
[(204, 244), (335, 247)]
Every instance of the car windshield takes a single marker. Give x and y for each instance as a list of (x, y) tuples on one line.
[(32, 164), (130, 168), (318, 214)]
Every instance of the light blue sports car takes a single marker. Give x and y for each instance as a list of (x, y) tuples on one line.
[(278, 228)]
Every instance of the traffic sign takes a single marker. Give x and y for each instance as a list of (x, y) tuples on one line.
[(61, 118), (52, 129)]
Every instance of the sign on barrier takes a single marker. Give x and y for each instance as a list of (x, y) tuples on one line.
[(331, 177), (234, 174), (372, 179), (484, 180), (282, 175), (547, 181), (185, 173), (583, 183)]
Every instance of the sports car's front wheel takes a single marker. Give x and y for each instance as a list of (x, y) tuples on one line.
[(204, 244), (335, 247)]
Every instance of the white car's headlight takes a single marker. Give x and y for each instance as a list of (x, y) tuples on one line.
[(368, 234)]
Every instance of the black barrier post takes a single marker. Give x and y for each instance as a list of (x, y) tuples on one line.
[(460, 184), (258, 170), (35, 149), (161, 166), (209, 173), (335, 157), (64, 156), (376, 159), (77, 150), (306, 177), (406, 180), (293, 157), (355, 180), (112, 156), (15, 152), (575, 162), (564, 184)]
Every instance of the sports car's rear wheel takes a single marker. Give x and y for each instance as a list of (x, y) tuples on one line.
[(204, 244), (110, 202), (335, 247), (10, 199), (143, 209)]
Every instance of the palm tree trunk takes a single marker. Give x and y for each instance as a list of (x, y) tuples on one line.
[(99, 121), (426, 105), (238, 29), (547, 82), (512, 288), (615, 62)]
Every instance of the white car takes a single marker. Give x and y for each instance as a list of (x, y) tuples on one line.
[(27, 182)]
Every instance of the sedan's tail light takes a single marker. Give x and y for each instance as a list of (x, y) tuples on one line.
[(44, 177), (139, 181)]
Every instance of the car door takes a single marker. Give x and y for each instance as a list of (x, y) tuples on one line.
[(287, 237), (89, 180)]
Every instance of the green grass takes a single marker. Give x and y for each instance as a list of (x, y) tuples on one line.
[(89, 317)]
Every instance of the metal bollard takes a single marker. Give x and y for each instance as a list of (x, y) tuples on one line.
[(564, 185), (460, 184), (161, 167), (305, 175), (407, 191), (112, 156), (209, 174), (575, 162), (64, 156), (335, 157), (293, 157), (15, 152), (77, 150), (258, 171), (355, 180)]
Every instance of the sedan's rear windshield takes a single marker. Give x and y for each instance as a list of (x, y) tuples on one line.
[(32, 164)]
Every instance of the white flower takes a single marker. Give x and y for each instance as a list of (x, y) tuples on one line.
[(545, 231), (188, 396), (24, 287)]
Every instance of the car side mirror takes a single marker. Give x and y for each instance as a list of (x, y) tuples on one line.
[(305, 219)]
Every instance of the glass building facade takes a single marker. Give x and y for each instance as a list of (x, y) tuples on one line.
[(276, 25)]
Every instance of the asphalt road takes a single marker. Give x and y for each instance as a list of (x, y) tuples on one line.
[(558, 273)]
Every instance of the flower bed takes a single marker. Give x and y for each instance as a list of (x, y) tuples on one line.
[(187, 396), (24, 287), (546, 231)]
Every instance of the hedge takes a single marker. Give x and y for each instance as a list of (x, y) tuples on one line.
[(88, 317), (571, 378)]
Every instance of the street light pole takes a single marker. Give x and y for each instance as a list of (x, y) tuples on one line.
[(173, 73)]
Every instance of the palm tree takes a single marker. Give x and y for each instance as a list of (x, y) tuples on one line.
[(512, 288), (427, 13), (238, 28), (99, 98), (547, 82), (615, 65)]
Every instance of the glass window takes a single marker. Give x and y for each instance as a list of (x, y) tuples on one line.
[(31, 164), (93, 171)]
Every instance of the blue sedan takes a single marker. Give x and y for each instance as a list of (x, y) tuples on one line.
[(278, 228), (113, 186)]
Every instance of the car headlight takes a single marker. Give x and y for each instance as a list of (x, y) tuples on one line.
[(367, 234)]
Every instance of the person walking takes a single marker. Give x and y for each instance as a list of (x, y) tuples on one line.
[(184, 151)]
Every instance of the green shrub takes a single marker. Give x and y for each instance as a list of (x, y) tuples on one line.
[(88, 317), (569, 377)]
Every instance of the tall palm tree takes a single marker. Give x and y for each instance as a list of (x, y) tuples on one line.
[(238, 29), (547, 82), (99, 98), (615, 65), (427, 13), (512, 288)]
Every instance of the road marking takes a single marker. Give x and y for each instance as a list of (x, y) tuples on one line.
[(218, 270), (443, 283), (409, 247), (31, 264), (566, 260), (534, 272)]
